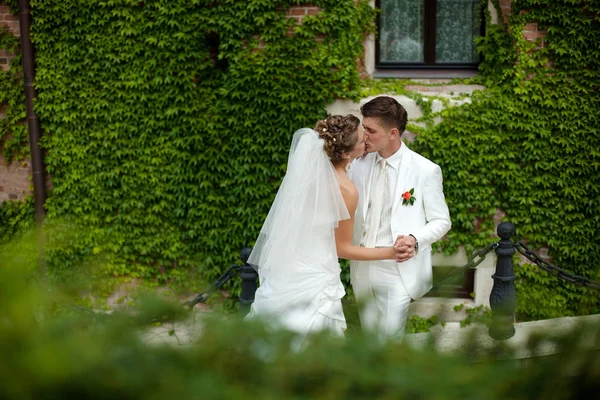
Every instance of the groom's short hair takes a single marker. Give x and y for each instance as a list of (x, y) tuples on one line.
[(388, 111)]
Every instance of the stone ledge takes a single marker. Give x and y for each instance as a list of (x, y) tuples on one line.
[(476, 340), (343, 107), (180, 333), (441, 307), (424, 74), (458, 89), (455, 95), (447, 339)]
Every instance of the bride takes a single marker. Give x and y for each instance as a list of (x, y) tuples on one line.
[(308, 227)]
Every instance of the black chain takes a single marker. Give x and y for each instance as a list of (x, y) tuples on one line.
[(554, 270), (202, 297), (481, 253), (223, 279), (205, 295), (59, 299), (473, 261)]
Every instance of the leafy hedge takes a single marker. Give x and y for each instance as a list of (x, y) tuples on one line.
[(54, 353)]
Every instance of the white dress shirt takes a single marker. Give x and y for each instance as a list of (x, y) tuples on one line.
[(384, 234)]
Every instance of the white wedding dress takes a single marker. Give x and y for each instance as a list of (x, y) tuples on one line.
[(295, 254)]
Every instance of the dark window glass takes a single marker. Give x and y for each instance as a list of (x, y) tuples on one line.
[(428, 33)]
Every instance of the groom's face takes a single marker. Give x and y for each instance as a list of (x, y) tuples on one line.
[(376, 135)]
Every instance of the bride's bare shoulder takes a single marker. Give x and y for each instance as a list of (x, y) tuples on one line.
[(349, 193), (347, 187)]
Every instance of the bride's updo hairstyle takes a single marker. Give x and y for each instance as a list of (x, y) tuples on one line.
[(340, 135)]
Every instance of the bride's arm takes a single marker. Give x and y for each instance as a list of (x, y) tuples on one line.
[(344, 231)]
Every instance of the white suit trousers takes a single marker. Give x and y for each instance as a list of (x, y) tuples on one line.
[(382, 299)]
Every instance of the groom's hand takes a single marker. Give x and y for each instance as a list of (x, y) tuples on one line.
[(405, 248)]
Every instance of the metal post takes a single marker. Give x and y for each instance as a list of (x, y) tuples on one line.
[(33, 125), (249, 282), (503, 298)]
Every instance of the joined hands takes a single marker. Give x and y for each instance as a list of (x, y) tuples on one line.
[(405, 247)]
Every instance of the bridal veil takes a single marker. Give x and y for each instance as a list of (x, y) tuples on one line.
[(306, 210)]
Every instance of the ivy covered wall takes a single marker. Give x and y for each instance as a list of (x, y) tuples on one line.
[(167, 125), (14, 168), (527, 148)]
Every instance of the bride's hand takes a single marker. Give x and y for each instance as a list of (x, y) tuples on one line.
[(392, 253), (398, 242)]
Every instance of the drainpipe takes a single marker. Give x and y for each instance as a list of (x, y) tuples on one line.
[(33, 123)]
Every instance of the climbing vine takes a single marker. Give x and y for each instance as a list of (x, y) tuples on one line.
[(13, 130), (167, 124), (527, 148)]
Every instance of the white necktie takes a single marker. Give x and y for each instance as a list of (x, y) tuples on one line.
[(376, 205)]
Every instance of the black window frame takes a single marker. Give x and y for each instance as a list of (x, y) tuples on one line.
[(429, 44)]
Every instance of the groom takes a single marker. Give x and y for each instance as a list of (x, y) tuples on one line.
[(400, 196)]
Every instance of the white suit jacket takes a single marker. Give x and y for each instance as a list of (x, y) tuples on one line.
[(427, 219)]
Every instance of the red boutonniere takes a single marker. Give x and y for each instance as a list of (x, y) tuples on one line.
[(408, 198)]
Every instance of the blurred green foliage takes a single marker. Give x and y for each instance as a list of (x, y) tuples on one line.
[(54, 350)]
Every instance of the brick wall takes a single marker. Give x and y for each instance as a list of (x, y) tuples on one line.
[(10, 21), (533, 32), (300, 11), (14, 180), (14, 177), (5, 57), (505, 9)]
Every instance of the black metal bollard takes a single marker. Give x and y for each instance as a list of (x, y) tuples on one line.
[(503, 298), (249, 282)]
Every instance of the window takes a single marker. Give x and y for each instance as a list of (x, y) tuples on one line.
[(428, 34), (452, 282)]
